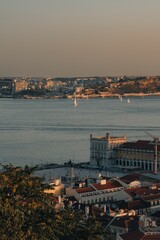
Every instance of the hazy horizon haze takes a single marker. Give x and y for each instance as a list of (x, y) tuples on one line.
[(79, 38)]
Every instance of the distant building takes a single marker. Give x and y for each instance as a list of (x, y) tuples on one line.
[(56, 188), (137, 155), (5, 86), (19, 85), (100, 192), (124, 224), (107, 151), (102, 152), (148, 230)]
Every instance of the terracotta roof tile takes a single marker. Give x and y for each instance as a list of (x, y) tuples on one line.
[(108, 185), (130, 177), (140, 144), (152, 196), (142, 191), (84, 190), (135, 204)]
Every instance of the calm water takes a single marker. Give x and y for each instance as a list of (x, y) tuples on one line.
[(43, 131)]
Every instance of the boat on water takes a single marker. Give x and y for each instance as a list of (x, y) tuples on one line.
[(75, 102), (128, 101), (120, 97)]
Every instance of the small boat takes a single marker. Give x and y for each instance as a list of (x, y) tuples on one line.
[(120, 97), (128, 101), (75, 102)]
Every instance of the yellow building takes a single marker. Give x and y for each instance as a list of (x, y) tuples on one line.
[(137, 155)]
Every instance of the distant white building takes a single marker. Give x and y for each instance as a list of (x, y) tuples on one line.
[(101, 149), (106, 151), (100, 192)]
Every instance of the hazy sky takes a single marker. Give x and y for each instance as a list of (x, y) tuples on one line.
[(79, 37)]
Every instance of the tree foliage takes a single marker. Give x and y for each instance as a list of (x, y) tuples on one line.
[(27, 213)]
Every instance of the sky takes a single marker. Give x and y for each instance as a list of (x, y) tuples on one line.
[(65, 38)]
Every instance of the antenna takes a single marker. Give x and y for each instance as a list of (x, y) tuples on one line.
[(156, 141)]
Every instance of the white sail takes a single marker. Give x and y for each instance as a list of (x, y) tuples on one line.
[(120, 97), (75, 102)]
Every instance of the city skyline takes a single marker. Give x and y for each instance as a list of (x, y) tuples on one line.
[(79, 38)]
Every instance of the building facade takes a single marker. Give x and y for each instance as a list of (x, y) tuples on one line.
[(137, 155), (107, 151), (102, 152), (99, 193)]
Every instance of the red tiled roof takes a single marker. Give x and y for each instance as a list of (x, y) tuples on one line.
[(108, 185), (130, 177), (134, 204), (99, 186), (140, 144), (132, 235), (138, 235), (142, 191), (84, 190), (151, 237), (152, 196)]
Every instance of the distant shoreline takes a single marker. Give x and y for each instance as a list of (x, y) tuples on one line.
[(70, 97), (90, 96)]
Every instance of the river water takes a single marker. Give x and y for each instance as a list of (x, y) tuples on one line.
[(43, 131)]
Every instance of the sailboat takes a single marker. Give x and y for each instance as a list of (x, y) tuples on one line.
[(75, 102), (128, 101), (120, 97)]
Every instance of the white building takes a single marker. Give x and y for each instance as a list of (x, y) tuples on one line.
[(101, 149), (101, 192), (106, 151)]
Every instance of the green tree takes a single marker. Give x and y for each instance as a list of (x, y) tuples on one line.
[(27, 213), (74, 225)]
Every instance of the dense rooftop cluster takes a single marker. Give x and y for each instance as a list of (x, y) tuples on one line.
[(82, 87)]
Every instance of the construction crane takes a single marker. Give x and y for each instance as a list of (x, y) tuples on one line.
[(155, 142)]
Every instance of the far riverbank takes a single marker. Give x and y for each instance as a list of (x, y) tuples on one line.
[(101, 95)]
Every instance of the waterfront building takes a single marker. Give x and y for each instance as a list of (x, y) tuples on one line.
[(107, 151), (6, 87), (19, 85), (137, 155), (102, 148)]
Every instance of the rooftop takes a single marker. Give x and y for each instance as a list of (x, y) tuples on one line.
[(108, 185), (138, 235), (140, 144), (84, 189), (98, 186), (130, 177)]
